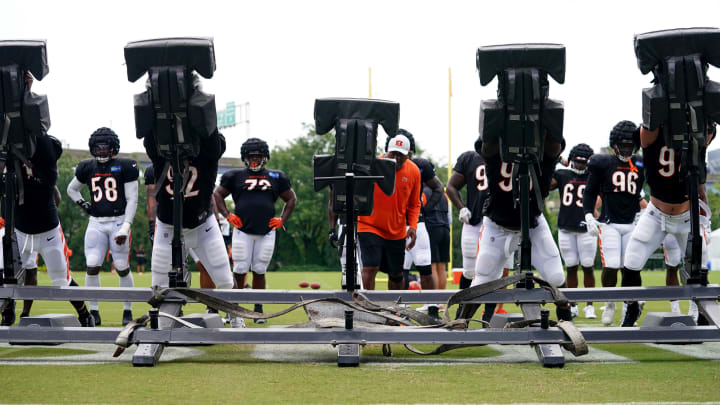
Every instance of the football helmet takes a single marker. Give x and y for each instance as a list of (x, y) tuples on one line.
[(255, 153), (104, 144), (579, 156), (625, 139)]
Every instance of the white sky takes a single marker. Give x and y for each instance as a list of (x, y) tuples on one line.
[(281, 55)]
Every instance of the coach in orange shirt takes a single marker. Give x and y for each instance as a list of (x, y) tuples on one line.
[(382, 235)]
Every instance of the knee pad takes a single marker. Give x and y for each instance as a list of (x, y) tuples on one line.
[(258, 274), (93, 271), (123, 273), (469, 267), (395, 278), (240, 269), (631, 278), (424, 270)]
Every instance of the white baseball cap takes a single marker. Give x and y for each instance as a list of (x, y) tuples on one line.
[(399, 143)]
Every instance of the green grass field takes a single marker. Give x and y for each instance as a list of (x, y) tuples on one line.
[(237, 373)]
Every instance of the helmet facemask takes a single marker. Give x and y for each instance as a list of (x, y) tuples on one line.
[(103, 152), (578, 165), (624, 150), (255, 162)]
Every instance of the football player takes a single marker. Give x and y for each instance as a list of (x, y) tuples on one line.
[(38, 228), (501, 222), (113, 186), (470, 170), (254, 190), (577, 245), (618, 178), (201, 232), (667, 214)]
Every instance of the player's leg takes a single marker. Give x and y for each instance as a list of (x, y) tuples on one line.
[(30, 279), (567, 241), (610, 253), (546, 259), (423, 258), (53, 249), (440, 248), (643, 239), (408, 259), (242, 246), (393, 252), (587, 245), (495, 246), (207, 242), (96, 246), (672, 253), (262, 255), (371, 249), (161, 261), (469, 241), (121, 259)]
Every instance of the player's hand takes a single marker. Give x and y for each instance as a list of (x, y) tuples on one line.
[(412, 236), (275, 223), (151, 231), (122, 235), (2, 222), (464, 215), (84, 205), (333, 238), (235, 221), (592, 225)]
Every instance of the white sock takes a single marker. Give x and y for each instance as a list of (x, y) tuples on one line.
[(92, 281), (128, 282)]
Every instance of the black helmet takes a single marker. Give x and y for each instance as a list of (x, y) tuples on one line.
[(405, 133), (581, 151), (104, 144), (625, 139), (254, 146)]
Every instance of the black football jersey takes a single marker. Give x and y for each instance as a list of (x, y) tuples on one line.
[(472, 166), (254, 194), (427, 172), (500, 205), (202, 172), (662, 170), (39, 213), (619, 184), (435, 214), (106, 182), (571, 187)]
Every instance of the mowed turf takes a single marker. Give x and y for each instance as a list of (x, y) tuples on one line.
[(229, 373)]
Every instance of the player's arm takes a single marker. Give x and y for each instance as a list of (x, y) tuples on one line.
[(73, 191), (643, 204), (131, 199), (454, 185), (437, 191), (590, 199), (553, 183), (290, 201), (57, 196), (219, 195), (413, 213), (648, 137)]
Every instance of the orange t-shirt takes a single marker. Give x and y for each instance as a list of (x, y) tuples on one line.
[(391, 214)]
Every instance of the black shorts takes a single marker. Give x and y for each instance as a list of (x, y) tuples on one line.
[(140, 260), (439, 244), (377, 251)]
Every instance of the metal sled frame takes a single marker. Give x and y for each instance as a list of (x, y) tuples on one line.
[(152, 341)]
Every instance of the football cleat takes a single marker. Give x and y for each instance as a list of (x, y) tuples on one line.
[(675, 307), (608, 315), (590, 312), (259, 308), (96, 317), (237, 322), (434, 312), (127, 317), (8, 315), (574, 312), (87, 320)]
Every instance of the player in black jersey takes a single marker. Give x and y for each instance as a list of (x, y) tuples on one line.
[(113, 185), (667, 214), (619, 180), (470, 170), (577, 245), (201, 232), (254, 190), (37, 224), (501, 222)]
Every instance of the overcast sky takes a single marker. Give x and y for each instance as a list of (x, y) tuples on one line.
[(281, 55)]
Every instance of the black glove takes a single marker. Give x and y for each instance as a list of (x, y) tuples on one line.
[(333, 238), (84, 205), (151, 231)]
